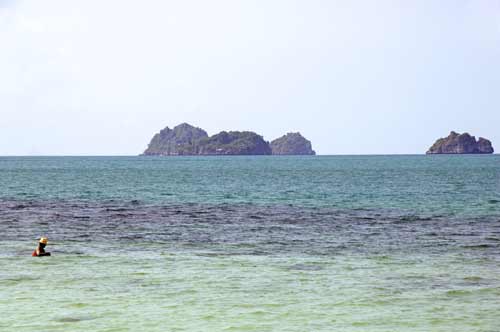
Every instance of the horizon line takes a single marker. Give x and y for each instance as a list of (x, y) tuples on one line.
[(317, 155)]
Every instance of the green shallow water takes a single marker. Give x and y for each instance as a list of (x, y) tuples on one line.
[(190, 291), (351, 243)]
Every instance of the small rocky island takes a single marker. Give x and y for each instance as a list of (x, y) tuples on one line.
[(178, 141), (292, 144), (187, 140), (461, 144)]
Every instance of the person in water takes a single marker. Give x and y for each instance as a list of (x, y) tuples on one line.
[(40, 249)]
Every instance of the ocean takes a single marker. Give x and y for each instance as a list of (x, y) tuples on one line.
[(257, 243)]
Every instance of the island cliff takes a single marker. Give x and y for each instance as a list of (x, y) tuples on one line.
[(178, 141), (186, 139), (292, 144), (461, 144)]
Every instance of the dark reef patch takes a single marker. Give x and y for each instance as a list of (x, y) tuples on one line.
[(245, 228)]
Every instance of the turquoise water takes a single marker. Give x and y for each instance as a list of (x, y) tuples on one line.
[(347, 243), (444, 184)]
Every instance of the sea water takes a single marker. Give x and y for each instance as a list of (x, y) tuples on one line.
[(344, 243)]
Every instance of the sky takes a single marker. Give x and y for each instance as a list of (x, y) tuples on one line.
[(94, 77)]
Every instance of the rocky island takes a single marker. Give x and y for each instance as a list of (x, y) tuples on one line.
[(461, 144), (233, 143), (178, 141), (187, 140), (292, 144)]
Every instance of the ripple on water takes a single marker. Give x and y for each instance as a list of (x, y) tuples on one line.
[(459, 292), (74, 319), (78, 305), (305, 267), (15, 280)]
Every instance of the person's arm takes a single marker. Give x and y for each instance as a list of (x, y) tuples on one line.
[(44, 254)]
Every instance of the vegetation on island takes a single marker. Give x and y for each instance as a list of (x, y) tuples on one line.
[(233, 143)]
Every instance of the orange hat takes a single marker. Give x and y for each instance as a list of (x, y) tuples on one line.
[(44, 240)]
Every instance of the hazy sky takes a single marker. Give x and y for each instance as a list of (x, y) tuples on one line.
[(355, 77)]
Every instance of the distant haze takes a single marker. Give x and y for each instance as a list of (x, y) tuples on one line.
[(354, 77)]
